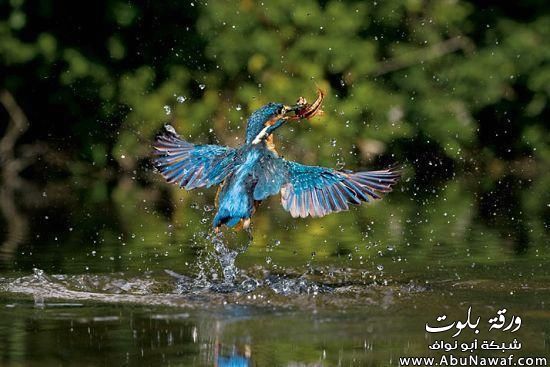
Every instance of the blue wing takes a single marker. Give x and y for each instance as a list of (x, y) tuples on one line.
[(318, 191), (191, 166), (271, 173)]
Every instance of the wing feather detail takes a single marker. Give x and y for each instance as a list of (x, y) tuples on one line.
[(317, 191), (191, 166)]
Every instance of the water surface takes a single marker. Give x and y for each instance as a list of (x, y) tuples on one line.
[(126, 281)]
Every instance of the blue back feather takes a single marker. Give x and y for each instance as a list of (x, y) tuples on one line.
[(235, 199)]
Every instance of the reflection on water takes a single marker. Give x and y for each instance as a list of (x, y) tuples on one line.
[(75, 231), (122, 278), (234, 357), (369, 332)]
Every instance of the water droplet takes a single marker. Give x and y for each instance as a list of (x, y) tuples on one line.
[(181, 99), (170, 129), (167, 110), (202, 86), (380, 267), (238, 108)]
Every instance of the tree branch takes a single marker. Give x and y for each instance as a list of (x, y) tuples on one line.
[(17, 223), (18, 124), (415, 57)]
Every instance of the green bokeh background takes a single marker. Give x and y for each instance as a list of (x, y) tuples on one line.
[(456, 91)]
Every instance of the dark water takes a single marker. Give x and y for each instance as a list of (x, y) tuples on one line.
[(86, 281)]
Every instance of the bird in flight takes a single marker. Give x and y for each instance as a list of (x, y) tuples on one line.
[(251, 173)]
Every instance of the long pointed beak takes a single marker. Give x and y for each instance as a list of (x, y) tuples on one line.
[(294, 108), (289, 109)]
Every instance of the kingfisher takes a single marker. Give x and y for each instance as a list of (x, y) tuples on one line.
[(254, 171)]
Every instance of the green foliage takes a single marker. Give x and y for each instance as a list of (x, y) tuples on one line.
[(444, 86), (393, 71)]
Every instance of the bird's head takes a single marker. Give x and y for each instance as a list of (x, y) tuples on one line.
[(265, 120)]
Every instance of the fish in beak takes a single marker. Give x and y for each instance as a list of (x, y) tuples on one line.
[(304, 110)]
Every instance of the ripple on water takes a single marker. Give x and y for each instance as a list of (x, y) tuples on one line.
[(173, 289)]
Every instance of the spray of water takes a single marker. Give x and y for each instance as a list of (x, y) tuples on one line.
[(226, 258)]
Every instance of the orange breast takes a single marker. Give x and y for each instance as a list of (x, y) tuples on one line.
[(269, 140)]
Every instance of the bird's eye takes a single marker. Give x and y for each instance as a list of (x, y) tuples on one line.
[(281, 110)]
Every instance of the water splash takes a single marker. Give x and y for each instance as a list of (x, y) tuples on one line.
[(208, 287), (236, 281), (226, 258), (293, 286), (259, 288)]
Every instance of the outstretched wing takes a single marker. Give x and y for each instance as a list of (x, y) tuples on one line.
[(318, 191), (191, 166)]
